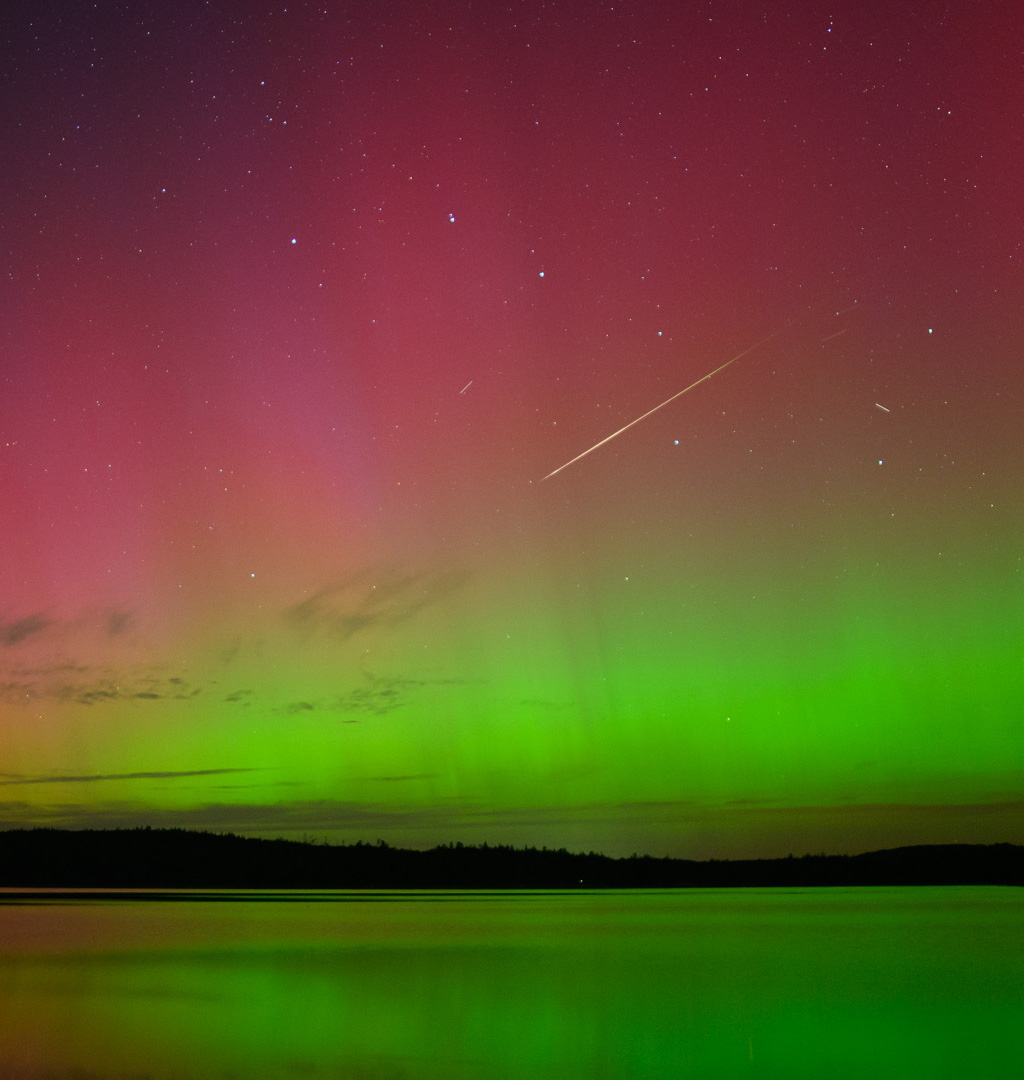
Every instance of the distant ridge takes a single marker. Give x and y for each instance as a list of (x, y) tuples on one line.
[(181, 859)]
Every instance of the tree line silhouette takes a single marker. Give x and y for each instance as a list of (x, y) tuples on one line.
[(147, 858)]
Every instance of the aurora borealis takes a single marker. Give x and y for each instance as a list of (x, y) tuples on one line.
[(301, 302)]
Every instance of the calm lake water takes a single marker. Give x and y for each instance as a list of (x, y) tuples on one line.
[(815, 983)]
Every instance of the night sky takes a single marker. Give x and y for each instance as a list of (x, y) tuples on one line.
[(302, 303)]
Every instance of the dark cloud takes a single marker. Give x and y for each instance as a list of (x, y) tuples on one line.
[(253, 818), (119, 622), (16, 693), (450, 816), (90, 697), (378, 696), (369, 600), (111, 623), (85, 686), (119, 776), (13, 633)]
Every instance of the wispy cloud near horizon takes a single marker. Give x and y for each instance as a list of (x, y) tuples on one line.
[(371, 599), (18, 630), (10, 779)]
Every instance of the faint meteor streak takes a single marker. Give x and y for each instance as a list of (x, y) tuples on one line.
[(668, 401), (466, 387), (882, 407), (836, 334)]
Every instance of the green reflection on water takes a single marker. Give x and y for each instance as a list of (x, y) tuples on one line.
[(757, 983)]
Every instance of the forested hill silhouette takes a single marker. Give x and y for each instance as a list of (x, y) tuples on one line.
[(180, 859)]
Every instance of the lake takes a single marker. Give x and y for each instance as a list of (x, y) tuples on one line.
[(788, 983)]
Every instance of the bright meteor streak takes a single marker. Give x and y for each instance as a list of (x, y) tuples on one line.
[(668, 401)]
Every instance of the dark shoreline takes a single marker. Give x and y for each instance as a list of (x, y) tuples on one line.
[(180, 859)]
